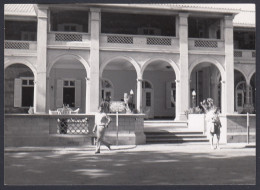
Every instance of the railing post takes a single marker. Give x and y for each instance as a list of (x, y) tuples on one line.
[(117, 128), (247, 125)]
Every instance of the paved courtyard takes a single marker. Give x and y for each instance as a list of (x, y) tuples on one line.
[(161, 164)]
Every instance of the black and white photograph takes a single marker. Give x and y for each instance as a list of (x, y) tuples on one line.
[(129, 94)]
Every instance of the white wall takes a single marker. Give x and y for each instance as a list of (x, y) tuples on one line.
[(59, 73)]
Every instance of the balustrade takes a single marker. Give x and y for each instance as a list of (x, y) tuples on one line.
[(245, 54), (24, 45)]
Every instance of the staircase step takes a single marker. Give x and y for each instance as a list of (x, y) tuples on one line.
[(175, 140), (173, 133), (164, 123), (176, 136)]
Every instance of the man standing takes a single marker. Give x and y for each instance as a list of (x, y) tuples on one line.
[(102, 120)]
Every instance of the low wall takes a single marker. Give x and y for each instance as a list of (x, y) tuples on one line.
[(237, 128), (233, 130), (41, 130)]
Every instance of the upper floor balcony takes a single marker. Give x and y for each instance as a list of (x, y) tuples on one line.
[(20, 37), (240, 54), (70, 29)]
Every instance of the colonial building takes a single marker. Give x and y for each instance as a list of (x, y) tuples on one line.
[(78, 54)]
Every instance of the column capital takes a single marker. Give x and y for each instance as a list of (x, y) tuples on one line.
[(229, 17), (228, 21), (98, 10), (139, 80), (184, 14), (42, 12), (183, 19), (95, 14)]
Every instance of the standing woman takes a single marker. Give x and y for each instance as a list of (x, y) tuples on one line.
[(102, 120)]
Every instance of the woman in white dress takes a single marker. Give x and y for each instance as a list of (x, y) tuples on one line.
[(102, 120)]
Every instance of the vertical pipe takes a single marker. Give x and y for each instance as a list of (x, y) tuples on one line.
[(117, 128), (247, 125)]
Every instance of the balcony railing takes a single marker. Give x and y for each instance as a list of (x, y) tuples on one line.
[(138, 41), (244, 54), (206, 44), (21, 45), (69, 39)]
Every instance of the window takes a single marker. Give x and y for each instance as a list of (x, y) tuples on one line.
[(69, 27), (148, 99), (23, 92), (173, 94), (239, 99), (199, 27), (28, 36), (149, 31), (146, 85), (68, 93), (170, 94)]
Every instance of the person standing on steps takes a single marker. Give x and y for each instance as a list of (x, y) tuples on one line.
[(102, 120)]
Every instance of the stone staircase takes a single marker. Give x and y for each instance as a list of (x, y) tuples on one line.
[(171, 132)]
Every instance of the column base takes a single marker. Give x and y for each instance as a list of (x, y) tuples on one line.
[(181, 117)]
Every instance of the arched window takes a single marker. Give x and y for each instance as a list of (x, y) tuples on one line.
[(146, 85), (241, 95)]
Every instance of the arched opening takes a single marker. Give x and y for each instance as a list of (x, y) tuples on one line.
[(67, 84), (205, 81), (19, 88), (160, 75), (120, 77), (240, 91), (253, 86)]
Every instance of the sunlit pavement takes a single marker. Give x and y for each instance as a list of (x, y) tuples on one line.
[(161, 164)]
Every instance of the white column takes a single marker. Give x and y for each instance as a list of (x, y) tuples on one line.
[(229, 64), (223, 98), (94, 59), (41, 59), (184, 67), (139, 96), (178, 100), (87, 106), (48, 93)]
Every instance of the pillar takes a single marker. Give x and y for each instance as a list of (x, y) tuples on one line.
[(87, 106), (183, 89), (94, 59), (229, 64), (40, 106), (139, 96), (178, 100)]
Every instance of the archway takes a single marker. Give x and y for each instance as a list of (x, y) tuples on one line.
[(67, 83), (19, 88), (205, 81), (121, 74), (160, 98)]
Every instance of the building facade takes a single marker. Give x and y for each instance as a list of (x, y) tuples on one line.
[(79, 54)]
